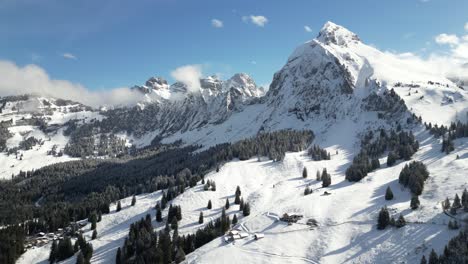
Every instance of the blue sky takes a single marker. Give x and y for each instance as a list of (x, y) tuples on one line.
[(105, 44)]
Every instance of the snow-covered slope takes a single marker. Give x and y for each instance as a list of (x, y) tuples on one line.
[(346, 231), (41, 118), (340, 88)]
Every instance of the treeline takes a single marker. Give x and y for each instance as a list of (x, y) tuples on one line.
[(401, 145), (273, 145), (11, 243), (455, 252)]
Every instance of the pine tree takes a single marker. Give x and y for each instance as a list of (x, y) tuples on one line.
[(238, 190), (76, 247), (388, 194), (237, 199), (213, 186), (179, 213), (318, 177), (80, 258), (246, 210), (133, 200), (227, 204), (401, 222), (456, 202), (94, 236), (174, 223), (433, 258), (118, 257), (307, 191), (414, 202), (326, 179), (375, 164), (64, 249), (391, 159), (209, 206), (234, 219), (88, 252), (119, 207), (158, 215), (200, 218), (304, 173), (180, 255), (464, 200), (53, 252), (93, 223), (423, 260), (241, 205), (384, 219), (446, 204)]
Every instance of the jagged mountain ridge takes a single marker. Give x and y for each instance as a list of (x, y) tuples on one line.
[(328, 81)]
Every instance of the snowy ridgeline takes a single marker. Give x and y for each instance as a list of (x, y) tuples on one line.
[(335, 79), (347, 218)]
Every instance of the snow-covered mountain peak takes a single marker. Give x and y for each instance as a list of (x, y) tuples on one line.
[(336, 34), (157, 83), (244, 84)]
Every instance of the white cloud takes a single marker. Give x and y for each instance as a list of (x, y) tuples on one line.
[(217, 23), (256, 20), (447, 39), (253, 62), (466, 26), (307, 29), (189, 75), (32, 79), (69, 56)]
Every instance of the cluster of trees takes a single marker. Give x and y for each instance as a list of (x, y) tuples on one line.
[(457, 203), (29, 143), (401, 145), (64, 249), (456, 251), (174, 212), (447, 145), (11, 243), (317, 153), (144, 245), (453, 225), (210, 185), (84, 143), (273, 145), (454, 131), (413, 176), (324, 177), (385, 220), (4, 135)]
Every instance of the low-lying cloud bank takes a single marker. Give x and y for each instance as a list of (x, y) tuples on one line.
[(32, 79)]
